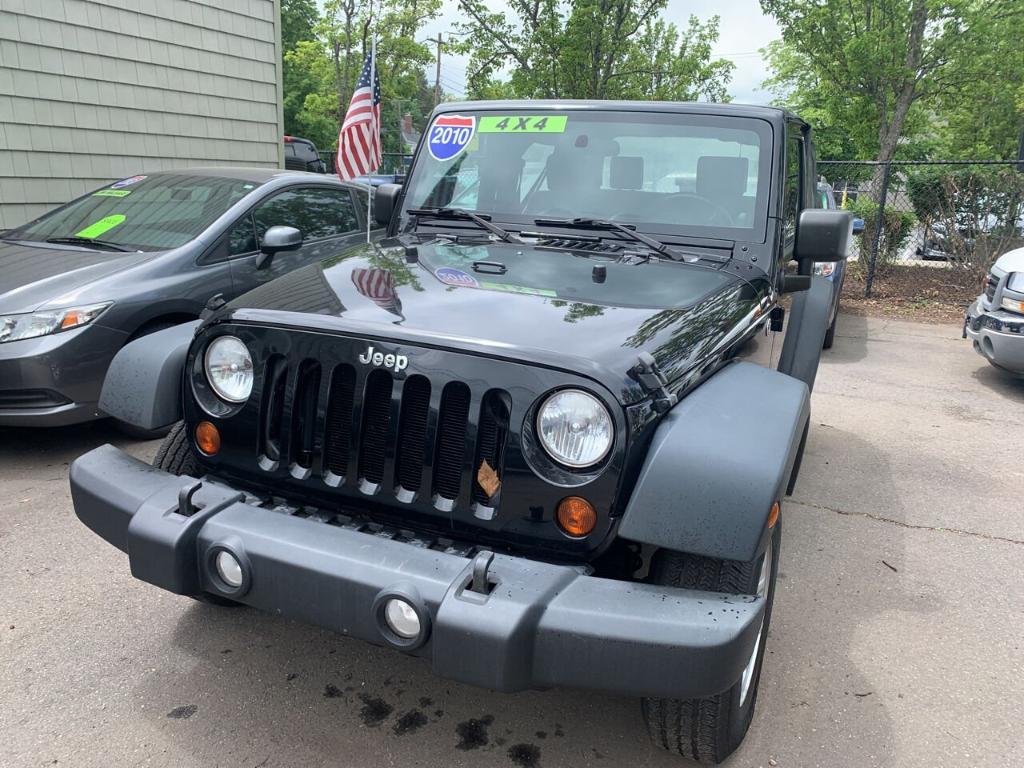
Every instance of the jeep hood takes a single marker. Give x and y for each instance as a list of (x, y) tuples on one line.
[(33, 275), (533, 304)]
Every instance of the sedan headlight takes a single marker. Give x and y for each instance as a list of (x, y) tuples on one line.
[(229, 369), (28, 326), (575, 428)]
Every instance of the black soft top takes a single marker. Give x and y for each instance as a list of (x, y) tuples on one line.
[(774, 115)]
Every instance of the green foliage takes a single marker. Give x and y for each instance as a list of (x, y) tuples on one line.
[(897, 226), (976, 208), (900, 78), (323, 54), (589, 49)]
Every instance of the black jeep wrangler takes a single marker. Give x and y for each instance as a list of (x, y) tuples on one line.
[(539, 435)]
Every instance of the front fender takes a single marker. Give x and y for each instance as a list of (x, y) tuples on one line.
[(143, 384), (717, 463)]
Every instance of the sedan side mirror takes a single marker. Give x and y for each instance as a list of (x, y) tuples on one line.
[(822, 235), (384, 200), (276, 239)]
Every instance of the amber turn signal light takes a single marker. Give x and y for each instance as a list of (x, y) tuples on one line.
[(207, 438), (576, 516), (773, 516)]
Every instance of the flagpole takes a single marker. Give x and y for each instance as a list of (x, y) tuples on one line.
[(369, 180)]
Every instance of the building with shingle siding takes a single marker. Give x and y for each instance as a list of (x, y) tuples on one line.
[(97, 90)]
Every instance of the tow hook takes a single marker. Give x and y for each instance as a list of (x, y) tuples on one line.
[(481, 583), (185, 506)]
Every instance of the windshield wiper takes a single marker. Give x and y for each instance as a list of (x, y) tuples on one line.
[(89, 241), (640, 237), (461, 213)]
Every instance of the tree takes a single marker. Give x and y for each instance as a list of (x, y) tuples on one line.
[(596, 49), (877, 68), (325, 56)]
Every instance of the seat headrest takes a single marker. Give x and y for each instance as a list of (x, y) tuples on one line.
[(626, 172), (719, 177), (570, 170)]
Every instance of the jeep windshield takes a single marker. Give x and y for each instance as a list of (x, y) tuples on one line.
[(671, 174)]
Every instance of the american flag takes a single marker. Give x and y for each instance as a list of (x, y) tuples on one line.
[(359, 138)]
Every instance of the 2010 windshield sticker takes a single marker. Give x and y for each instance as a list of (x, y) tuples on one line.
[(523, 123), (452, 276), (112, 193), (450, 135), (105, 224), (127, 182)]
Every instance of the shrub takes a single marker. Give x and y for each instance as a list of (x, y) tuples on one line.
[(897, 226)]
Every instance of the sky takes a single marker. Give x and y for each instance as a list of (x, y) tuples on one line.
[(743, 31)]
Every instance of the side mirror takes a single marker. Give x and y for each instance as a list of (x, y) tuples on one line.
[(822, 235), (858, 226), (277, 239), (384, 201)]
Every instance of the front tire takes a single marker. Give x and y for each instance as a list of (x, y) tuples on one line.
[(709, 729), (176, 456)]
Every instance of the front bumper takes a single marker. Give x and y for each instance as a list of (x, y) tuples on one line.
[(55, 380), (540, 625), (997, 335)]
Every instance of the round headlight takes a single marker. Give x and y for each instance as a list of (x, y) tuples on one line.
[(575, 428), (229, 369)]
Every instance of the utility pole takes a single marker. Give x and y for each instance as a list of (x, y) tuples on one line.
[(437, 76)]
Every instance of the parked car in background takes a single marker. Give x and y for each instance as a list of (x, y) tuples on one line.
[(995, 321), (142, 254), (939, 246), (302, 155), (833, 271)]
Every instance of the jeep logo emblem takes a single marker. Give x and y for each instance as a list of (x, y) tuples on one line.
[(396, 363)]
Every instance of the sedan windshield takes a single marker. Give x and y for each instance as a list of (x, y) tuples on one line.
[(667, 173), (142, 213)]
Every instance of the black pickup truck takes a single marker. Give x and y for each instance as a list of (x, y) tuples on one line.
[(538, 435)]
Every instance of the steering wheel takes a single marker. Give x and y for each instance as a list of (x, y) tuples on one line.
[(717, 214)]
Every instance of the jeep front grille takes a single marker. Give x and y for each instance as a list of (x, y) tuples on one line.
[(383, 435)]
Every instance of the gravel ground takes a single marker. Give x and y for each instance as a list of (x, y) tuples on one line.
[(897, 637)]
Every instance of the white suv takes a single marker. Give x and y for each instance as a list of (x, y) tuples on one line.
[(995, 321)]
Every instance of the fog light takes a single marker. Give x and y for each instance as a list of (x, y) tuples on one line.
[(402, 618), (229, 569), (207, 438), (576, 516)]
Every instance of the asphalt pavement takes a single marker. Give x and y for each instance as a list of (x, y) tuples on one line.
[(896, 640)]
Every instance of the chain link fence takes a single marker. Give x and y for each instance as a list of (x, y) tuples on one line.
[(963, 213)]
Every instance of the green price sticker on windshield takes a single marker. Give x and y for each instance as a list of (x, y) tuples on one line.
[(523, 124), (105, 224), (112, 193)]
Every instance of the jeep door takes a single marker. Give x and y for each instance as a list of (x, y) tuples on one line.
[(326, 216)]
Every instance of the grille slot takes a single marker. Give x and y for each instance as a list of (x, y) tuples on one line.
[(338, 437), (374, 432), (451, 440), (412, 433), (307, 392), (273, 407), (990, 287), (490, 441)]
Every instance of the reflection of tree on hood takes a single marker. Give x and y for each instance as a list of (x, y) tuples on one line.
[(578, 311), (693, 331), (391, 259)]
